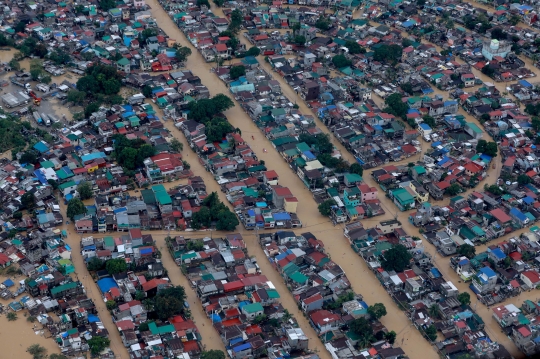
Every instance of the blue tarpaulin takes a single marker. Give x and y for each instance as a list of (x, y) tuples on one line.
[(93, 318), (106, 284), (284, 216), (8, 283)]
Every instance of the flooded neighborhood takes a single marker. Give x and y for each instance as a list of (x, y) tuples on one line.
[(270, 179)]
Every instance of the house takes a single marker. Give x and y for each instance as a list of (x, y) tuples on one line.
[(324, 321), (484, 281), (402, 199), (518, 217), (367, 192), (253, 310), (468, 79), (530, 278), (424, 129), (473, 130)]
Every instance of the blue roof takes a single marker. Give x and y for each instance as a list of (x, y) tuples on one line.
[(443, 161), (425, 126), (486, 158), (497, 252), (435, 272), (41, 147), (488, 272), (106, 284), (92, 156), (40, 176), (8, 283), (518, 214), (236, 341), (463, 262), (408, 23), (528, 200), (242, 347), (281, 256), (427, 90), (309, 155), (282, 216), (525, 83), (93, 318), (435, 144), (146, 250), (450, 103), (413, 110), (377, 127)]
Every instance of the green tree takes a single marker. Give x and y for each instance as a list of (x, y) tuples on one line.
[(91, 108), (98, 344), (356, 168), (201, 219), (434, 311), (114, 266), (299, 39), (237, 71), (464, 298), (453, 190), (226, 221), (28, 157), (59, 57), (147, 91), (111, 304), (362, 328), (496, 190), (523, 179), (341, 61), (491, 149), (219, 3), (467, 250), (430, 121), (75, 96), (325, 208), (212, 354), (323, 23), (498, 34), (167, 307), (12, 316), (195, 245), (15, 65), (481, 146), (37, 351), (204, 110), (176, 145), (396, 258), (377, 310), (85, 190), (388, 53), (95, 264), (354, 48), (396, 106), (390, 337), (57, 356), (488, 71), (217, 129), (407, 87), (27, 200), (182, 53), (514, 19), (253, 51), (236, 21), (431, 332)]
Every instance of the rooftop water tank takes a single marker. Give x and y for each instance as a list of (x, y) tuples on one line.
[(494, 44)]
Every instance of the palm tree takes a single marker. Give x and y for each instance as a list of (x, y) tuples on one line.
[(148, 304)]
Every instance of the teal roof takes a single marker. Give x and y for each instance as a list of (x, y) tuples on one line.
[(64, 287), (253, 308)]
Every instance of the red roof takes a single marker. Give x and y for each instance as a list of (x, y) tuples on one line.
[(313, 299), (232, 286), (533, 276), (125, 325), (500, 215), (221, 47)]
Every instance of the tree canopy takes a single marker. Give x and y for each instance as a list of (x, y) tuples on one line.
[(97, 344), (323, 23), (85, 190), (212, 354), (117, 265), (467, 250), (132, 153), (325, 208), (169, 302), (341, 61), (377, 310), (100, 79), (354, 47), (388, 53), (237, 71), (205, 110), (396, 258), (396, 106), (75, 207), (465, 298)]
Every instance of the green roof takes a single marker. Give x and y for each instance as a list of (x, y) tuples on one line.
[(108, 241), (272, 293), (353, 177), (299, 278), (420, 170), (65, 185), (402, 196), (155, 330), (47, 164), (123, 61), (474, 127), (303, 147), (253, 308), (64, 287), (161, 194)]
